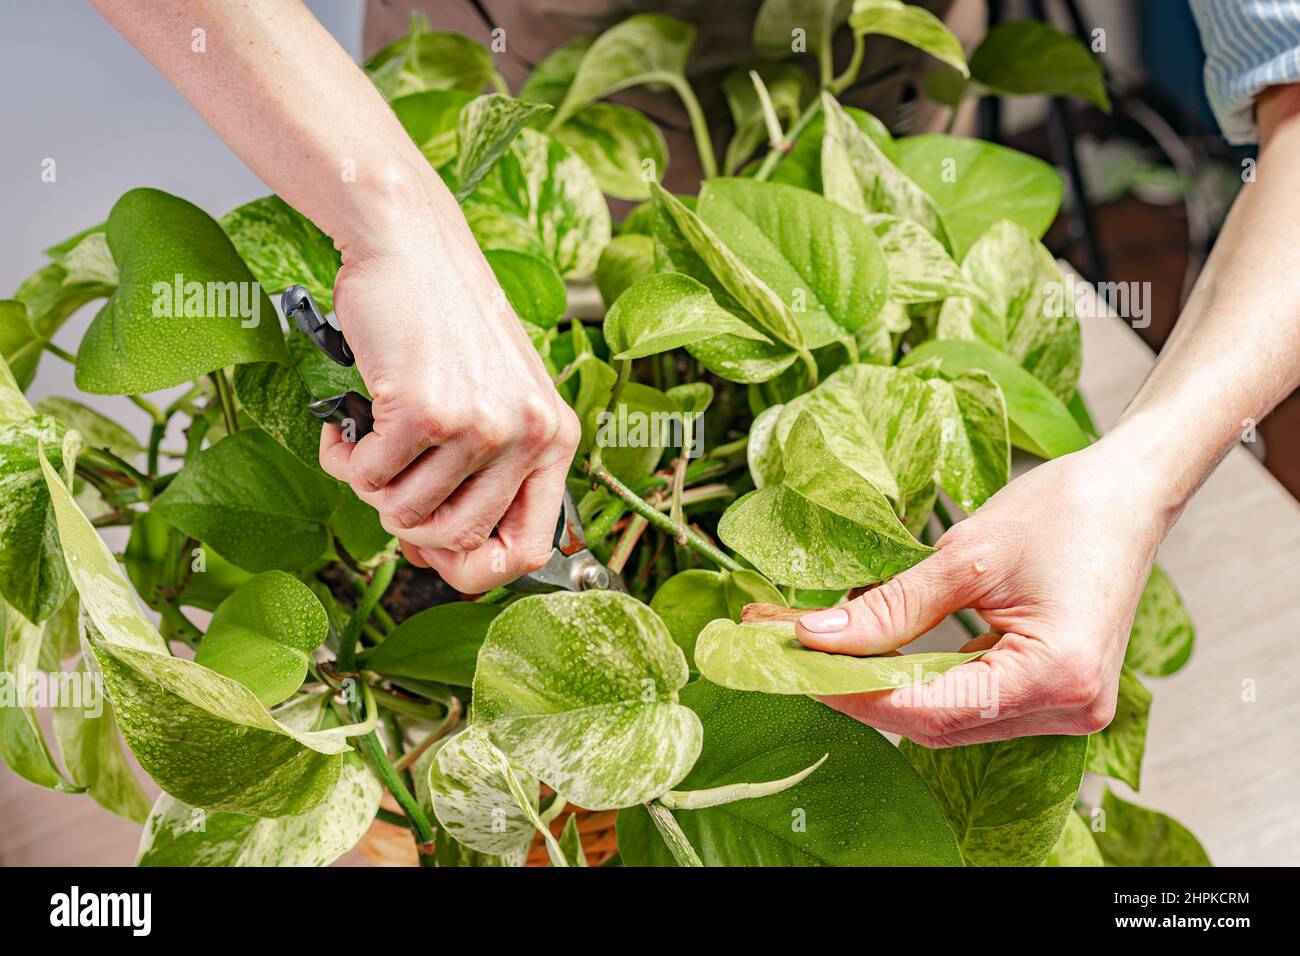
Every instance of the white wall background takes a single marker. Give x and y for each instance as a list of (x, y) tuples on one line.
[(72, 90)]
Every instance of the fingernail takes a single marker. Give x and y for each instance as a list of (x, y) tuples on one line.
[(831, 619)]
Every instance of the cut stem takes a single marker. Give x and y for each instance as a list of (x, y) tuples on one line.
[(768, 166)]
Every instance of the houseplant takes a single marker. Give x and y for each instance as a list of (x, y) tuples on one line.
[(867, 311)]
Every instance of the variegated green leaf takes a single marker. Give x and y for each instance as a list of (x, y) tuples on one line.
[(425, 60), (1028, 307), (623, 147), (821, 259), (96, 430), (22, 741), (689, 600), (1117, 750), (581, 691), (822, 525), (858, 176), (1007, 801), (283, 248), (485, 128), (624, 262), (1075, 847), (178, 834), (768, 657), (431, 119), (1161, 639), (474, 801), (542, 196), (204, 738), (644, 48), (667, 311), (920, 268), (1132, 835), (912, 24)]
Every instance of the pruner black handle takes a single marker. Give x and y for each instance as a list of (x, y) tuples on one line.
[(350, 408)]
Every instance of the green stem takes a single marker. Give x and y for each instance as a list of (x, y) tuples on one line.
[(61, 353), (627, 544), (148, 407), (227, 399), (388, 816), (942, 513), (374, 590), (105, 459), (768, 166), (661, 521), (972, 627), (845, 79), (678, 845), (611, 408), (699, 125)]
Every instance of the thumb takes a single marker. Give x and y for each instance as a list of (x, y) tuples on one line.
[(886, 617)]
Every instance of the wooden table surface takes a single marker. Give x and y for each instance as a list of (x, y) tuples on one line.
[(1227, 768)]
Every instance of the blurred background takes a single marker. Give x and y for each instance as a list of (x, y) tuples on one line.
[(1151, 184)]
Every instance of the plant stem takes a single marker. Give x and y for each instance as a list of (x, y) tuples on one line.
[(388, 816), (61, 353), (942, 513), (148, 407), (661, 521), (227, 399), (678, 845), (845, 79), (106, 460), (627, 543), (699, 125), (768, 166), (611, 408), (374, 590), (448, 722), (968, 622)]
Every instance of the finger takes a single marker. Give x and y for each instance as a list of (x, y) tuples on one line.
[(1011, 681), (335, 452), (410, 498), (1031, 725), (396, 441), (897, 612), (413, 554), (523, 541), (464, 522)]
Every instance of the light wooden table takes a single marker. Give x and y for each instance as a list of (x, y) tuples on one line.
[(1228, 769)]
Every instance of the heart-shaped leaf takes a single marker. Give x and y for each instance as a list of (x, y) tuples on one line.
[(263, 635), (1160, 641), (33, 577), (22, 741), (551, 78), (485, 128), (438, 644), (424, 60), (96, 430), (689, 600), (920, 269), (581, 691), (1117, 750), (823, 525), (283, 248), (1027, 310), (203, 738), (624, 262), (254, 502), (474, 800), (1040, 423), (912, 24), (186, 303), (532, 286), (1029, 57), (1007, 801), (974, 184), (44, 301), (1138, 836), (431, 119), (542, 196), (864, 806), (668, 311), (644, 48), (768, 657), (624, 149), (1075, 847), (824, 261), (275, 397), (816, 20), (858, 176)]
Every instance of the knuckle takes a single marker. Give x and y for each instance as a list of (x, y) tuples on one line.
[(533, 555), (403, 515), (569, 432), (468, 539), (1097, 715), (538, 421), (1082, 687), (889, 605)]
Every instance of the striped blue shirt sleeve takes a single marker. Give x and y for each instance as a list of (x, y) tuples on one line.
[(1250, 45)]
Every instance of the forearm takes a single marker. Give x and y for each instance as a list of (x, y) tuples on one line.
[(1235, 352), (290, 102)]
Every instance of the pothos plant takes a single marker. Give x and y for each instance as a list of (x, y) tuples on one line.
[(852, 330)]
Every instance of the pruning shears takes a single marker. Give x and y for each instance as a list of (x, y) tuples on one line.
[(571, 565)]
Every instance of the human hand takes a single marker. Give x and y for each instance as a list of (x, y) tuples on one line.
[(469, 433), (1055, 563)]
